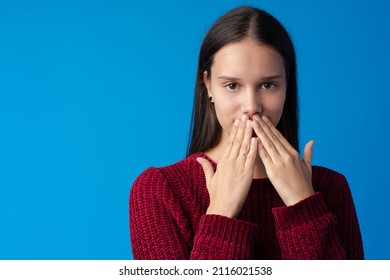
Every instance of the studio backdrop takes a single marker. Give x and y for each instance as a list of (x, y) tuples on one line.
[(94, 92)]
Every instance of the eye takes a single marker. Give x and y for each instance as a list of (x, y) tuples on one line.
[(231, 86), (268, 85)]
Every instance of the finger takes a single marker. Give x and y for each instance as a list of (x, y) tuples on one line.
[(237, 142), (232, 135), (266, 142), (265, 157), (279, 135), (308, 154), (246, 143), (208, 169), (250, 162), (267, 126)]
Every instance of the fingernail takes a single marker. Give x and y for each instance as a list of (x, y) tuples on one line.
[(257, 118), (264, 117), (244, 118), (248, 123), (255, 123), (236, 122)]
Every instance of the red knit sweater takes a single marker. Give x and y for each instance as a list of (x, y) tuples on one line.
[(168, 220)]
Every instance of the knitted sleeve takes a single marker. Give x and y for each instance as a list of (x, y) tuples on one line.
[(160, 228), (319, 228)]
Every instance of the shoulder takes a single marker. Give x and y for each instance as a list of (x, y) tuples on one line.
[(183, 168), (329, 182), (175, 175), (323, 175)]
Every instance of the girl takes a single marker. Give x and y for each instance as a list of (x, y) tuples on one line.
[(243, 192)]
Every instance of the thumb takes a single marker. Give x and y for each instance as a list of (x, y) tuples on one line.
[(207, 169), (308, 153)]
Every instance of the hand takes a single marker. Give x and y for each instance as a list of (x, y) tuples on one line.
[(290, 176), (229, 185)]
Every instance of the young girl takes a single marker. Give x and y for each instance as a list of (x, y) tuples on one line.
[(243, 192)]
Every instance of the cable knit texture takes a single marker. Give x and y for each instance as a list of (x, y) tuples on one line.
[(168, 220)]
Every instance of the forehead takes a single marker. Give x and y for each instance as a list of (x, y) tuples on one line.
[(247, 58)]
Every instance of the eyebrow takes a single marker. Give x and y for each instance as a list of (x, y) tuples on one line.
[(274, 77)]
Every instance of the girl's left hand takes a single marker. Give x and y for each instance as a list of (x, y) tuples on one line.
[(290, 175)]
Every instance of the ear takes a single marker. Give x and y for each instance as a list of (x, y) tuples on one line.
[(207, 82)]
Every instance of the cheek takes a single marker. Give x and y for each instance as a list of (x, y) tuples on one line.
[(276, 109), (226, 112)]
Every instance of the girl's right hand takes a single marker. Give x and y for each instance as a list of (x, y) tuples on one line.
[(229, 185)]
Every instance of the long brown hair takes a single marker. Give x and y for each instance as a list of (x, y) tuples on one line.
[(234, 26)]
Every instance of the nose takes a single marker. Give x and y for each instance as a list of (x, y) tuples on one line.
[(251, 103)]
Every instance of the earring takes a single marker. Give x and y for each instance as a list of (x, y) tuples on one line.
[(211, 99)]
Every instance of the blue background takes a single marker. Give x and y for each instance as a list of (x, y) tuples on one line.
[(94, 92)]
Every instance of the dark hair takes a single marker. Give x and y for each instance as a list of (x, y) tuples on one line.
[(237, 25)]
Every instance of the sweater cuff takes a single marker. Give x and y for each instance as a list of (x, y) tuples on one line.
[(230, 230), (303, 212)]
